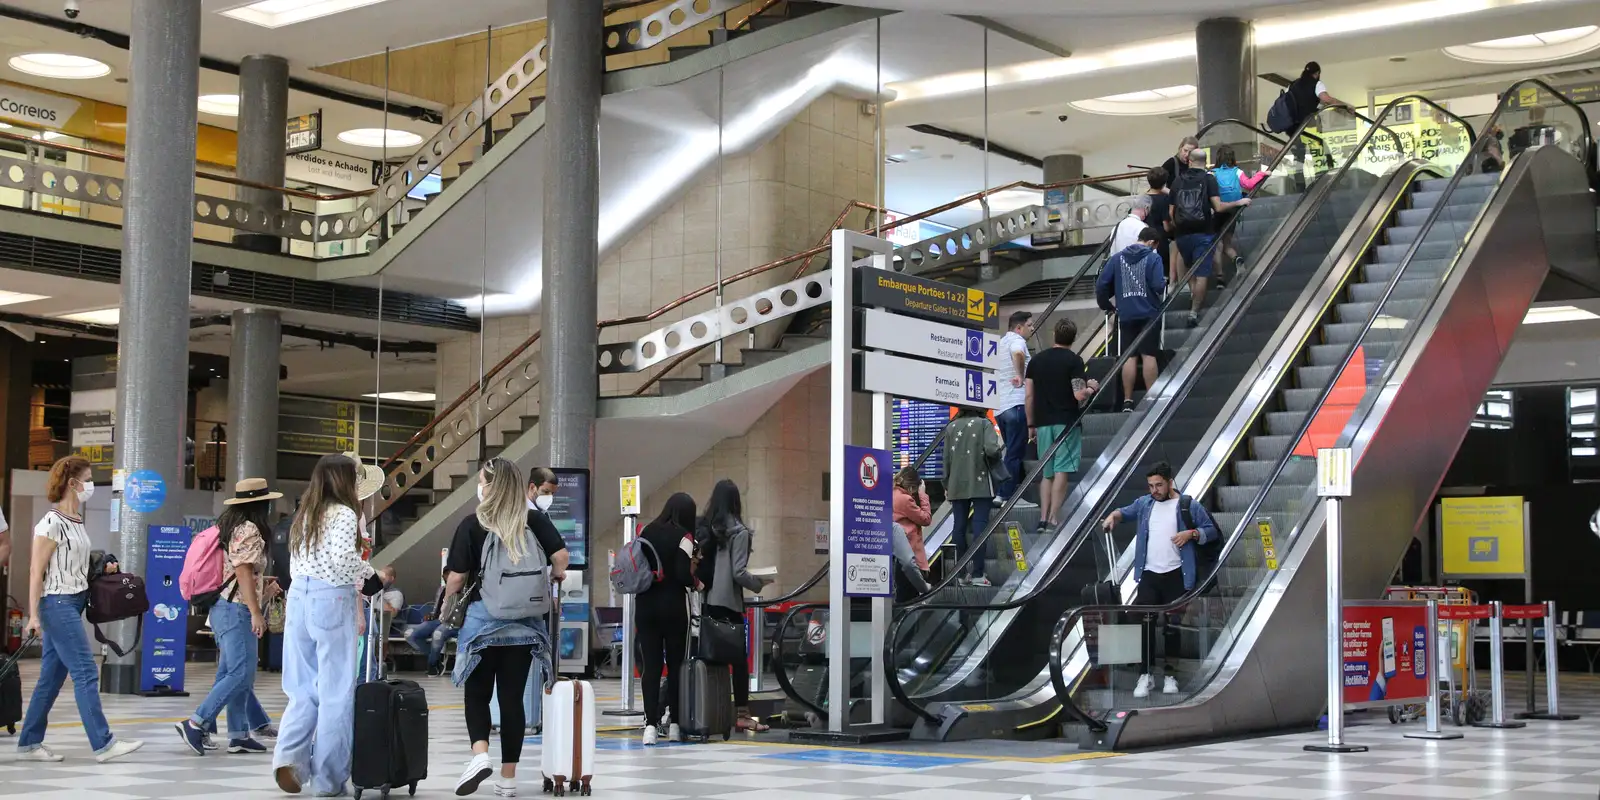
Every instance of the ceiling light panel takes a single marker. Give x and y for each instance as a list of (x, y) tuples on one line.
[(222, 105), (1165, 100), (278, 13), (1544, 314), (13, 298), (1529, 48), (59, 65), (105, 316), (380, 137), (408, 396)]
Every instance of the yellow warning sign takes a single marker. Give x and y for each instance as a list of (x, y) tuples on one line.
[(1268, 551), (630, 495), (1014, 534)]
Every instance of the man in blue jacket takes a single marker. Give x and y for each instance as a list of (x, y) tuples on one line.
[(1165, 559), (1134, 281)]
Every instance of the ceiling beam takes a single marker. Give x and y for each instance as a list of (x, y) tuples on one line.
[(1024, 37)]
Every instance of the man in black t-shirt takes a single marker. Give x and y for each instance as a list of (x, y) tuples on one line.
[(1057, 385)]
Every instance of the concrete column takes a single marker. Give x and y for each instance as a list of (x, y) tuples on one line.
[(569, 379), (1058, 168), (253, 395), (263, 111), (1225, 65), (157, 228)]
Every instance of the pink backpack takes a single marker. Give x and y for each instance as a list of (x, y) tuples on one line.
[(201, 579)]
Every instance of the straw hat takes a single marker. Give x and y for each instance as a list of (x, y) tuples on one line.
[(369, 479), (251, 490)]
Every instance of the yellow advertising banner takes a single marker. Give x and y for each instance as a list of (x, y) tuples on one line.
[(1483, 537), (97, 121)]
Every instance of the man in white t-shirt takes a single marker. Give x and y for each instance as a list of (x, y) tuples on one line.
[(1172, 528), (1012, 412), (1127, 231)]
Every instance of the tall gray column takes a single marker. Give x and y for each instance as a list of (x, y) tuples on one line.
[(1064, 167), (157, 228), (1225, 66), (263, 112), (253, 395), (569, 378)]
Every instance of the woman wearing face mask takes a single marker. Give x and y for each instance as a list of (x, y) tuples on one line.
[(58, 591)]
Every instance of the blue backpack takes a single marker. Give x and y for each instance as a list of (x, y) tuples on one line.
[(1229, 187)]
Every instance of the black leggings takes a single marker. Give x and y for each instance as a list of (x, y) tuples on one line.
[(741, 666), (663, 636), (505, 668)]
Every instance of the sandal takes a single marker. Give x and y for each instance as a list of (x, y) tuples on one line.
[(751, 725)]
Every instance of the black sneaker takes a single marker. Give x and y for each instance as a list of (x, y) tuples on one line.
[(1127, 406), (1194, 320)]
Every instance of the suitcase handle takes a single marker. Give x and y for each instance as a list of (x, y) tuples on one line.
[(374, 654)]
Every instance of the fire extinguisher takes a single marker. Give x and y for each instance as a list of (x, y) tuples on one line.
[(13, 630)]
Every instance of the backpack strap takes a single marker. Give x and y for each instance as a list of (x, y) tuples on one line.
[(1185, 512)]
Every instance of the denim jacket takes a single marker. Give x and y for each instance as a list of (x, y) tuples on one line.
[(1140, 510)]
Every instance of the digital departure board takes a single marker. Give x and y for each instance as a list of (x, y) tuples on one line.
[(913, 426)]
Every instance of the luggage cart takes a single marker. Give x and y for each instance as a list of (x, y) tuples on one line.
[(1460, 699)]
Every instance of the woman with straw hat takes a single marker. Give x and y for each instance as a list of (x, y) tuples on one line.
[(237, 621)]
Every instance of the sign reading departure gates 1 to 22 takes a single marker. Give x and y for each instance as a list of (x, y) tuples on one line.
[(928, 299)]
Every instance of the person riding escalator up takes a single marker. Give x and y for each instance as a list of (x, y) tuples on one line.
[(972, 453)]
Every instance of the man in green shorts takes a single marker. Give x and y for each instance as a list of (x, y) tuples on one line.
[(1058, 383)]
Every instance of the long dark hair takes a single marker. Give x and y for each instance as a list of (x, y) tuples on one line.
[(333, 481), (723, 513), (258, 514), (1226, 158), (678, 512)]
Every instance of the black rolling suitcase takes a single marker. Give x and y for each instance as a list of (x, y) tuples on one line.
[(391, 736), (11, 688), (705, 701)]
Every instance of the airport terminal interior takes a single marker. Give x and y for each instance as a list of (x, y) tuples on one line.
[(1047, 398)]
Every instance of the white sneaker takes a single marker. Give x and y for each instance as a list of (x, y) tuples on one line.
[(1141, 689), (1023, 503), (40, 753), (505, 787), (119, 749), (980, 582), (1170, 686), (650, 735), (672, 732), (478, 770)]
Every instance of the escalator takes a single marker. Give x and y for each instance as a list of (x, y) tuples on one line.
[(1394, 366), (942, 654)]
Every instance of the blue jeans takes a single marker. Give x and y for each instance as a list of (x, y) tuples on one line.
[(234, 686), (255, 715), (1014, 432), (430, 637), (973, 514), (319, 677), (64, 650)]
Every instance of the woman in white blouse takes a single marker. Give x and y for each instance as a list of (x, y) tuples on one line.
[(58, 591), (319, 635)]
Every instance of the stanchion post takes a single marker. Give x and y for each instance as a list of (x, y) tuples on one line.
[(1552, 671), (1433, 655), (1332, 537), (758, 653), (1497, 673)]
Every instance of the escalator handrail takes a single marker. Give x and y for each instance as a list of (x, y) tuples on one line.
[(1106, 384), (811, 582), (1475, 151), (905, 611), (778, 670)]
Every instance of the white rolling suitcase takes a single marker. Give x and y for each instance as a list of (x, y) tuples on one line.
[(567, 747)]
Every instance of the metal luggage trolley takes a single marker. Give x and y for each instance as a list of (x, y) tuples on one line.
[(1461, 701)]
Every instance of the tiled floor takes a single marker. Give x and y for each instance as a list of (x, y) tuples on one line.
[(1545, 761)]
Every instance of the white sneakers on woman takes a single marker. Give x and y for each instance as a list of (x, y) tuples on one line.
[(40, 753), (118, 749), (650, 735), (478, 770), (505, 787)]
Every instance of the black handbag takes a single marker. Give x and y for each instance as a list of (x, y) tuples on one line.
[(721, 641)]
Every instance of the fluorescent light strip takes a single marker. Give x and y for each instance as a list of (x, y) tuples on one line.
[(105, 316), (278, 13), (407, 396), (13, 298), (1544, 314)]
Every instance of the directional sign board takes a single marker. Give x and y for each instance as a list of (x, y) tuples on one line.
[(881, 330), (925, 380), (920, 297)]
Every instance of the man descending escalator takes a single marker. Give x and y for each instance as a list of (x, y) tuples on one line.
[(1171, 526)]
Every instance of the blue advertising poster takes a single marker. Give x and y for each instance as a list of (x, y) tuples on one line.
[(145, 491), (166, 624), (868, 515)]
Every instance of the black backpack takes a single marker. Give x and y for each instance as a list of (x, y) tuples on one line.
[(1206, 554), (1189, 200)]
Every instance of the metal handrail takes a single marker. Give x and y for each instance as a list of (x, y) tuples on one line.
[(926, 603), (1068, 620), (765, 7), (777, 651)]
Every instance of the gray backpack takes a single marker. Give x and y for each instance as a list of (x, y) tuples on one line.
[(633, 573), (514, 591)]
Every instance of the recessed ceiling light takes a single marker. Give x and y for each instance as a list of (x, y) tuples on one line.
[(105, 316), (223, 105), (12, 298), (1529, 48), (1542, 314), (1150, 101), (278, 13), (59, 65), (408, 396), (380, 137)]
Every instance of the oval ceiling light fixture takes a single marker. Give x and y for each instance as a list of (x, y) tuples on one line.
[(223, 105), (1165, 100), (59, 65), (380, 137), (1529, 48)]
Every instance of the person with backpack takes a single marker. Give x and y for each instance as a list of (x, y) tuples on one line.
[(1196, 202), (661, 612), (317, 730), (1133, 283), (58, 593), (1179, 165), (225, 573), (1296, 104), (725, 544), (1171, 530), (1232, 185), (972, 450), (504, 570)]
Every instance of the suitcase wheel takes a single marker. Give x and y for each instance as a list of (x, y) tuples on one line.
[(548, 788), (12, 729), (358, 793), (413, 789)]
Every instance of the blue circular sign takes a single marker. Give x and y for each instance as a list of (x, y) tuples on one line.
[(144, 491)]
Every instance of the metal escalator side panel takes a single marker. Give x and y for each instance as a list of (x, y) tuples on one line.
[(1405, 435)]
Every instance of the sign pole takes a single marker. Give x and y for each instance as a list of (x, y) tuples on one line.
[(1333, 484), (840, 420), (880, 605), (630, 521), (1434, 664)]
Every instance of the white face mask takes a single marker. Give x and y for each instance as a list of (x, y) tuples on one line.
[(480, 492), (86, 492), (544, 501)]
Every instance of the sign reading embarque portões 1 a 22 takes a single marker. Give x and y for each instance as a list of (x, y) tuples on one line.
[(868, 521), (929, 299)]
